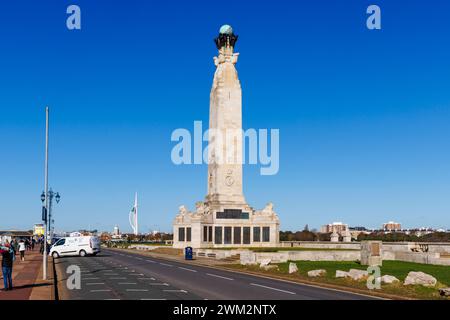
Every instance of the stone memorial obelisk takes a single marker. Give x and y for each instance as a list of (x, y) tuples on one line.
[(224, 218)]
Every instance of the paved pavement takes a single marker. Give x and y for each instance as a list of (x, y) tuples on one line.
[(125, 275), (27, 277)]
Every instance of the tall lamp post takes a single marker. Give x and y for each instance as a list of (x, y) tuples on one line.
[(44, 197)]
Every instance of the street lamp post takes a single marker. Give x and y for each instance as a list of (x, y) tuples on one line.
[(51, 221), (45, 198)]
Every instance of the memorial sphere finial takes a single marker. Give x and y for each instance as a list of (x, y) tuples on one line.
[(226, 29)]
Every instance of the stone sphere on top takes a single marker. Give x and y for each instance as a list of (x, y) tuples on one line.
[(226, 29)]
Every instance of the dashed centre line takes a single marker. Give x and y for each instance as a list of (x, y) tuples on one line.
[(137, 290), (187, 269), (166, 264), (217, 276), (271, 288)]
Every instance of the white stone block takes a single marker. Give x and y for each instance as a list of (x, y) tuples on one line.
[(357, 274), (293, 267), (388, 279), (317, 273), (420, 278), (341, 274), (264, 262)]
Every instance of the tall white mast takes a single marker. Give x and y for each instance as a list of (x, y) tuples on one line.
[(136, 216)]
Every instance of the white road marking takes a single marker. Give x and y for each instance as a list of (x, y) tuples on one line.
[(183, 291), (111, 299), (159, 284), (111, 274), (165, 264), (137, 290), (217, 276), (100, 290), (192, 270), (260, 285), (151, 261), (146, 278), (152, 299), (94, 283), (136, 274), (125, 283), (117, 278), (90, 278)]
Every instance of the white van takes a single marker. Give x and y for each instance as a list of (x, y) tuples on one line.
[(75, 246)]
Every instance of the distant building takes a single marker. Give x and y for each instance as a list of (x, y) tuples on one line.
[(116, 231), (9, 235), (356, 231), (392, 226), (336, 227), (38, 229)]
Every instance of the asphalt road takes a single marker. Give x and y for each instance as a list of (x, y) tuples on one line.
[(125, 275)]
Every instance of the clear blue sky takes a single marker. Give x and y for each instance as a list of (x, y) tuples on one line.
[(363, 115)]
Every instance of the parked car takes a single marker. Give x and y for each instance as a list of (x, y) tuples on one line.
[(75, 246)]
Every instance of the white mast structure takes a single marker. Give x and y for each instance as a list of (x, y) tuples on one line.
[(133, 217)]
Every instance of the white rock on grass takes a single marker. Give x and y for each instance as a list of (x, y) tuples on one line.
[(420, 278), (264, 262), (317, 273), (388, 279), (341, 274), (445, 292), (357, 274), (293, 267), (270, 267)]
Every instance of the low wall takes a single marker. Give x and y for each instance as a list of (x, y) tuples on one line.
[(418, 252), (284, 256), (145, 247), (321, 245), (438, 253)]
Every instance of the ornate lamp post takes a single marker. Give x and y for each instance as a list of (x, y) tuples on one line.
[(50, 221)]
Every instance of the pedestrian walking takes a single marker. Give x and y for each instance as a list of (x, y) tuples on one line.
[(22, 248), (13, 245), (8, 258), (41, 248)]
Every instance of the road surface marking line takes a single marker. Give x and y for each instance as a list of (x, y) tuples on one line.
[(159, 284), (260, 285), (146, 278), (111, 274), (90, 278), (152, 299), (136, 274), (192, 270), (94, 283), (111, 299), (217, 276), (124, 283), (117, 278), (151, 261), (165, 264), (183, 291), (137, 290), (100, 290)]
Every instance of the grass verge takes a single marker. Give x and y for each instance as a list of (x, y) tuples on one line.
[(399, 269)]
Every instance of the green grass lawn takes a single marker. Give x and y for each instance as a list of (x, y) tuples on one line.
[(399, 269)]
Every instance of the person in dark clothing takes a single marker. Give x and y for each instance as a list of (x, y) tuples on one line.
[(7, 265)]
